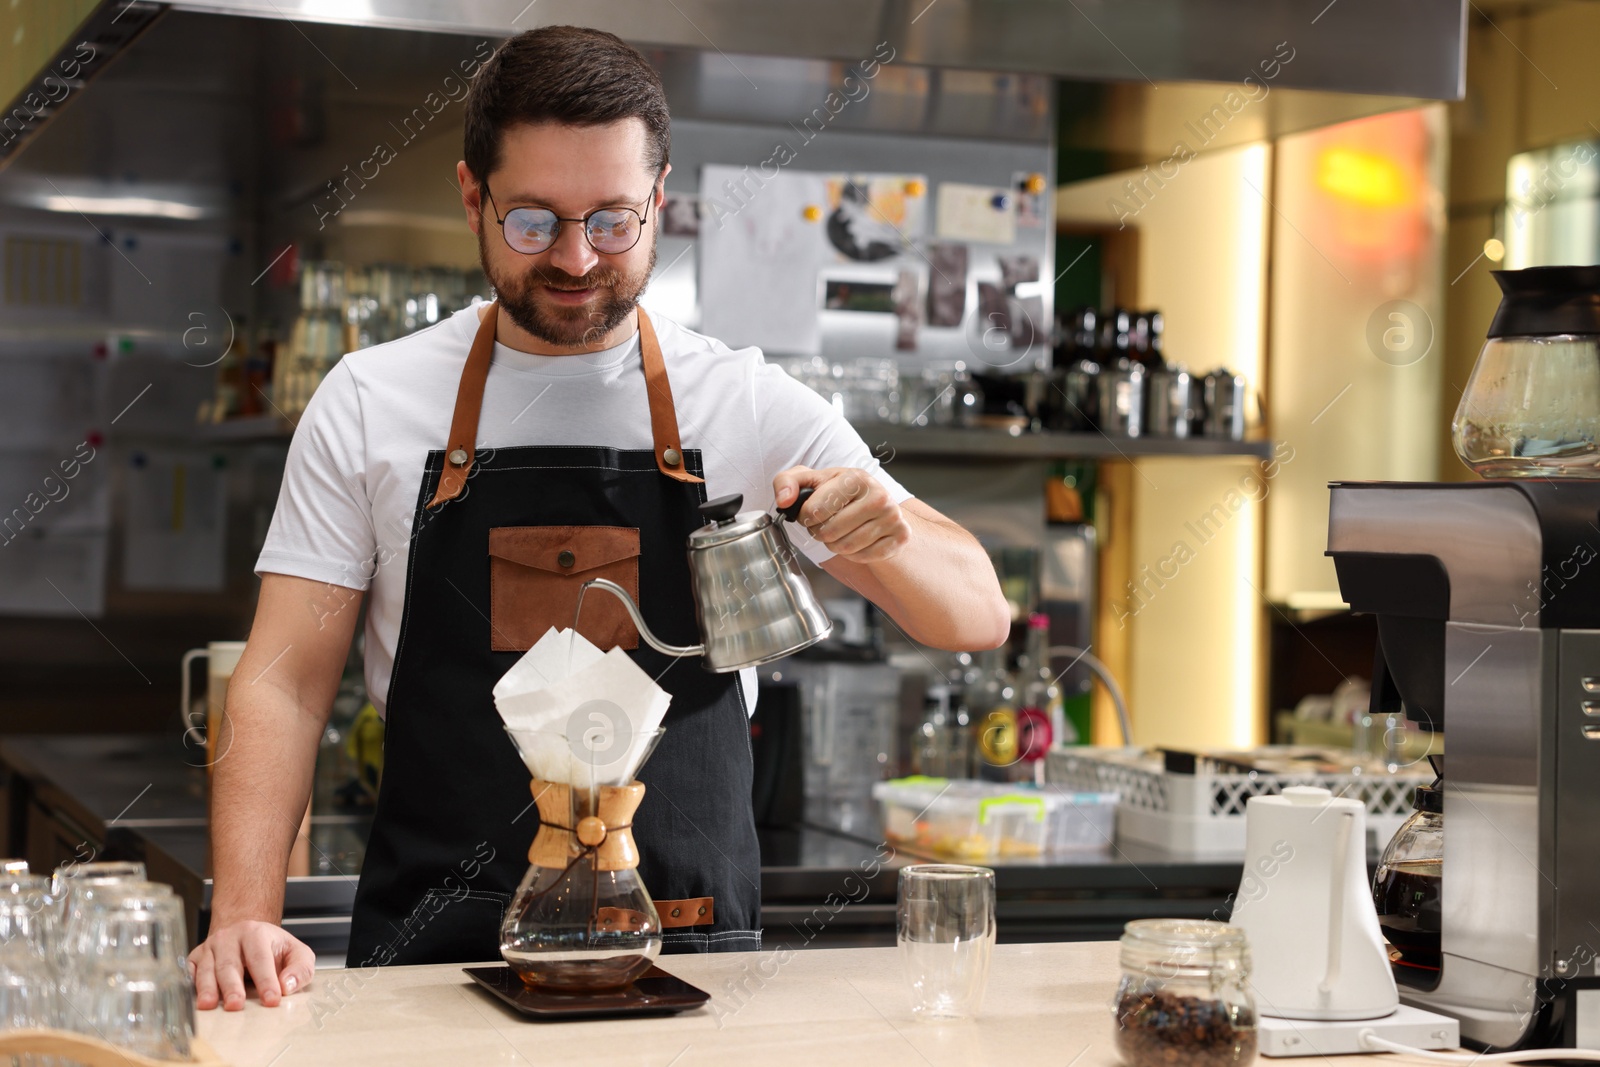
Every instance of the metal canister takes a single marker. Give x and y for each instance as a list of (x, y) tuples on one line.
[(1081, 402), (1171, 408), (1122, 400), (1225, 404)]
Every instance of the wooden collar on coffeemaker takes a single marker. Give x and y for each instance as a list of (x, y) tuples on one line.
[(608, 833), (459, 450)]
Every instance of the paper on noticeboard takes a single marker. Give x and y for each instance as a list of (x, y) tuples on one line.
[(759, 258), (177, 522), (983, 213), (876, 217), (60, 573)]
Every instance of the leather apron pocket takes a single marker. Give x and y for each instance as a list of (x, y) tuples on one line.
[(535, 573)]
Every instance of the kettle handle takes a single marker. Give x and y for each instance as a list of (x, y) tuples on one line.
[(792, 512), (1341, 861), (193, 732)]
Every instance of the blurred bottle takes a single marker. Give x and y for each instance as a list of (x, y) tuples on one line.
[(257, 384), (936, 748), (1158, 342), (228, 400), (1042, 693), (965, 680), (1116, 336), (994, 718), (1139, 337), (1078, 370)]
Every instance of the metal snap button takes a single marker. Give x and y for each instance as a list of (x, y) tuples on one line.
[(676, 912), (565, 559), (702, 909), (459, 457), (671, 457)]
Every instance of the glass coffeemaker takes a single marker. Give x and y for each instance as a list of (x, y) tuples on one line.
[(1532, 406), (1407, 887), (582, 920)]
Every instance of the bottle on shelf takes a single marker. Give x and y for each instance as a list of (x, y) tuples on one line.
[(942, 748), (1075, 392), (1139, 337), (1042, 720), (994, 719), (1158, 344), (965, 679), (256, 390), (1118, 335), (228, 400)]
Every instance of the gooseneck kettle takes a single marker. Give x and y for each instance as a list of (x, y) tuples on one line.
[(752, 601)]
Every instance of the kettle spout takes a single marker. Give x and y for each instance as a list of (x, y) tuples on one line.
[(638, 619)]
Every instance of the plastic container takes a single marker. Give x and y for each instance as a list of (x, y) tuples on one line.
[(982, 821)]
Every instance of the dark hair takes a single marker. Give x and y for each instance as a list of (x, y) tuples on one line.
[(566, 74)]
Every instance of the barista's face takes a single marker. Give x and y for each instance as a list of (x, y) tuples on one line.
[(568, 294)]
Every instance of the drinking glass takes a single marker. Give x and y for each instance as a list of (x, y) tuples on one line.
[(946, 933), (74, 895), (29, 997), (133, 987), (68, 873), (28, 918)]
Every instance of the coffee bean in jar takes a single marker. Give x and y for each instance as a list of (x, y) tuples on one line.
[(1184, 997)]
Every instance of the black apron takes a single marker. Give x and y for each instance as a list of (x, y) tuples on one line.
[(454, 817)]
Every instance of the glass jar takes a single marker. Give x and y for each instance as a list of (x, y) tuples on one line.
[(1407, 890), (1532, 406), (1184, 996)]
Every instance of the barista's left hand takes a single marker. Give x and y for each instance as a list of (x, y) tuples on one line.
[(850, 512)]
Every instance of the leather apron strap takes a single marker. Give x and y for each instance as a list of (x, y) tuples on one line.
[(459, 449)]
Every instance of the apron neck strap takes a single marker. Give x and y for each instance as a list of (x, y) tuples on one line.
[(663, 415), (459, 450)]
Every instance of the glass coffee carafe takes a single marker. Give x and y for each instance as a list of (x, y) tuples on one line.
[(582, 920), (1407, 888), (1532, 406)]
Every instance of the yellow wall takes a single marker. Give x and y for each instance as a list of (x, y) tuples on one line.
[(1361, 219), (31, 32), (1191, 626)]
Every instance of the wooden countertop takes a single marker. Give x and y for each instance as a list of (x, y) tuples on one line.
[(1046, 1004)]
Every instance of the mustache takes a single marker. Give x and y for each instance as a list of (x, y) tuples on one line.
[(555, 277)]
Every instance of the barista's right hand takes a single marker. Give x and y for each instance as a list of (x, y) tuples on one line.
[(276, 961)]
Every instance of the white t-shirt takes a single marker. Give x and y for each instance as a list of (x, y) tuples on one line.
[(354, 470)]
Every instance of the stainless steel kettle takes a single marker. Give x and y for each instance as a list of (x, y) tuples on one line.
[(752, 601)]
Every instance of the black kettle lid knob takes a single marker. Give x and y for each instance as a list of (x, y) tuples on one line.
[(722, 508)]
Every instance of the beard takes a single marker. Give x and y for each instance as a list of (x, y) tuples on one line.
[(521, 296)]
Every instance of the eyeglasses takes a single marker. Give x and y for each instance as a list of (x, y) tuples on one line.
[(531, 230)]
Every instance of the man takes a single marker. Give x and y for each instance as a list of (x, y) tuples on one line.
[(581, 429)]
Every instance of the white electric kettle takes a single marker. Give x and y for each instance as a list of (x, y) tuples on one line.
[(1307, 910)]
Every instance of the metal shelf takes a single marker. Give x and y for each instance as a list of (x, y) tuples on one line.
[(973, 444), (249, 428), (983, 444)]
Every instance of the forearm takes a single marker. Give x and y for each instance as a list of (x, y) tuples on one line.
[(260, 785), (940, 587)]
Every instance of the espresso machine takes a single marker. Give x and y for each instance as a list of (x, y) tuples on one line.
[(1487, 598)]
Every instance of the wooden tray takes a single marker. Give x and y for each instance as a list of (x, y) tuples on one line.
[(655, 993), (94, 1052)]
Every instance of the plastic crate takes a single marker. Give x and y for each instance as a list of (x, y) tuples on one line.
[(1203, 812), (983, 822)]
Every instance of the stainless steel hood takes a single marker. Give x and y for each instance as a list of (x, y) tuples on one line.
[(1413, 48)]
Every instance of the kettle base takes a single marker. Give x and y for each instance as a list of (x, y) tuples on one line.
[(1279, 1037)]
